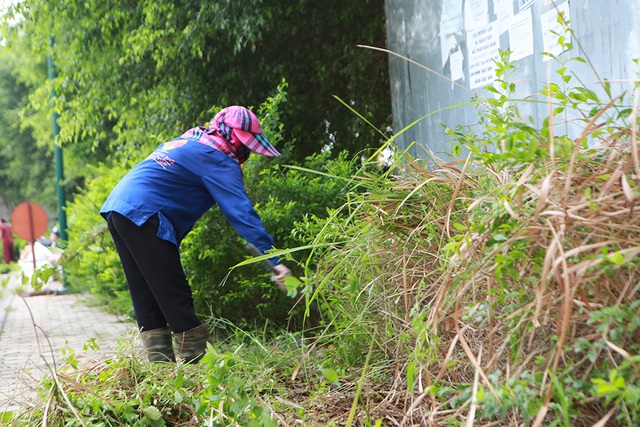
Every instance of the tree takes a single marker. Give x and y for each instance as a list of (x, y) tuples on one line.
[(313, 44), (26, 168), (136, 74)]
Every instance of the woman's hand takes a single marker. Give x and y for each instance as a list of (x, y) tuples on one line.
[(280, 272)]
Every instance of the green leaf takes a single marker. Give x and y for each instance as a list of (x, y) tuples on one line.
[(459, 227), (330, 374), (6, 416), (292, 281), (499, 237), (619, 383), (179, 378), (603, 388), (152, 413), (411, 375), (616, 258)]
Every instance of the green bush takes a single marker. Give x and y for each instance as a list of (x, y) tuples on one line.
[(90, 259), (283, 196)]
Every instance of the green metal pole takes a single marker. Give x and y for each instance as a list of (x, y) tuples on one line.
[(57, 154)]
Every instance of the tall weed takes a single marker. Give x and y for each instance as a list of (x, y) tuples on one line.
[(505, 282)]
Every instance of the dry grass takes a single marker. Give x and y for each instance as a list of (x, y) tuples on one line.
[(575, 233)]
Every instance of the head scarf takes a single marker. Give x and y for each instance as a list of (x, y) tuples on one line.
[(241, 129)]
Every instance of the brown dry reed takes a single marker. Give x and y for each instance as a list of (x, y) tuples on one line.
[(472, 277)]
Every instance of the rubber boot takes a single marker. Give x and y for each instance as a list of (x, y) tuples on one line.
[(190, 345), (157, 345)]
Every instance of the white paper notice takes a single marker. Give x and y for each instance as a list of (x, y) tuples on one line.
[(483, 45), (550, 25), (521, 35), (476, 14), (448, 43), (451, 17), (504, 11), (523, 4), (457, 70)]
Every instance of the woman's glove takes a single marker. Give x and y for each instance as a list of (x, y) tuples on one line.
[(280, 272)]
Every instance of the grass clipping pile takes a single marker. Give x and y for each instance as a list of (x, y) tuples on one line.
[(538, 292)]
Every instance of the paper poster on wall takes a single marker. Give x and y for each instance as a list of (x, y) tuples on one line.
[(504, 11), (524, 4), (456, 65), (483, 45), (476, 14), (448, 43), (521, 35), (451, 17), (551, 28)]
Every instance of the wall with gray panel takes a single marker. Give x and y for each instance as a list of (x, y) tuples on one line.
[(607, 32)]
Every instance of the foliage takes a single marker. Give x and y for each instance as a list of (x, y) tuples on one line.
[(324, 34), (501, 289), (26, 167), (124, 390), (140, 72), (90, 259), (283, 196), (131, 77), (226, 396)]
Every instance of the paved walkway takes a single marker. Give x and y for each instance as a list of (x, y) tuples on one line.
[(36, 329)]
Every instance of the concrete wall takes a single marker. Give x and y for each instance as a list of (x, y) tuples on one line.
[(433, 33)]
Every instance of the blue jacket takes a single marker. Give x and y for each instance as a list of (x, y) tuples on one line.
[(180, 181)]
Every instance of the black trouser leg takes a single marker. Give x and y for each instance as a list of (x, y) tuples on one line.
[(159, 289)]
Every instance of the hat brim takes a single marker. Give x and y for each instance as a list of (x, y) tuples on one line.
[(257, 143)]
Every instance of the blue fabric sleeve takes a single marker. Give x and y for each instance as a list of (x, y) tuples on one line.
[(224, 183)]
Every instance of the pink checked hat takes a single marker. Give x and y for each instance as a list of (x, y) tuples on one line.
[(244, 124)]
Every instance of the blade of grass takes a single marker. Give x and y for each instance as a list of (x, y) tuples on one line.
[(474, 394), (354, 405)]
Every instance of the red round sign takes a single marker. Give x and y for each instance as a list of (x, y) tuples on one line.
[(29, 221)]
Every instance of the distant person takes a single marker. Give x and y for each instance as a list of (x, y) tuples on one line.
[(54, 236), (41, 252), (38, 255), (157, 203), (6, 233), (52, 241)]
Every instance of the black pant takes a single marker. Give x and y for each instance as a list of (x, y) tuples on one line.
[(157, 283)]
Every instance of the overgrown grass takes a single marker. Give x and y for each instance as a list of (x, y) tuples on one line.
[(246, 380), (501, 289)]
